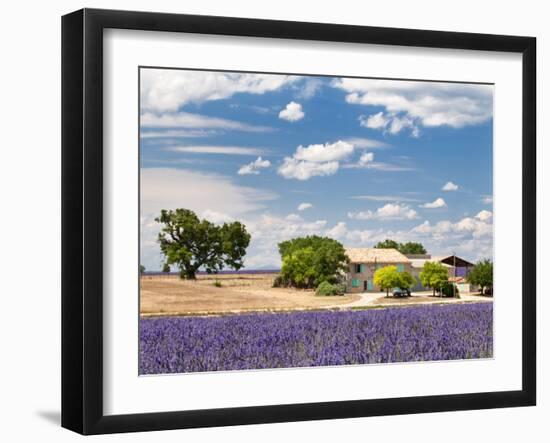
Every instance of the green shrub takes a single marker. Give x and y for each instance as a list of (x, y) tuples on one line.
[(449, 289), (217, 284), (341, 288), (280, 282), (326, 288)]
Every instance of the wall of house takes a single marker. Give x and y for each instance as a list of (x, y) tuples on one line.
[(367, 276)]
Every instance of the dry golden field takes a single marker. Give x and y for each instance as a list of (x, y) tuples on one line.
[(169, 295)]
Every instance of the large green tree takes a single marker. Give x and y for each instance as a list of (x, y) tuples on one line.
[(308, 261), (191, 243), (482, 274), (434, 275)]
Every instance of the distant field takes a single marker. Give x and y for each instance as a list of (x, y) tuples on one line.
[(169, 295)]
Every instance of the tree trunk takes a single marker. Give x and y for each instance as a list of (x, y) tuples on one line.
[(188, 274), (434, 291)]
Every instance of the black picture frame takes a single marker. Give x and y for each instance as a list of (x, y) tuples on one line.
[(82, 218)]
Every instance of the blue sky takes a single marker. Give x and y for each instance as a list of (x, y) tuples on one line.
[(359, 160)]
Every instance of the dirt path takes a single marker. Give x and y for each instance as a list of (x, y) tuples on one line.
[(369, 299)]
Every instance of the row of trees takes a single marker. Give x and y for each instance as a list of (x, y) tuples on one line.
[(405, 248), (433, 275)]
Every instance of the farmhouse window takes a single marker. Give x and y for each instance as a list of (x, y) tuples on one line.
[(355, 283), (400, 268)]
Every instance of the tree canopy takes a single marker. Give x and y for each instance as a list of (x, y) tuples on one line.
[(191, 243), (433, 275), (407, 280), (308, 261), (404, 248), (389, 277), (482, 274), (412, 248), (387, 244)]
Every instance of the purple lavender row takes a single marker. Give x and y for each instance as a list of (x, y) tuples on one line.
[(257, 341)]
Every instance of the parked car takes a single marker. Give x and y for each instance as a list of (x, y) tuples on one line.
[(401, 292)]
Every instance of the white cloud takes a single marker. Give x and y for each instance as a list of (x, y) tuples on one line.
[(487, 199), (309, 88), (324, 159), (189, 120), (216, 217), (379, 166), (320, 153), (254, 167), (390, 211), (413, 103), (304, 206), (167, 90), (389, 123), (449, 186), (292, 113), (365, 161), (484, 215), (304, 170), (315, 160), (476, 227), (268, 230), (224, 150), (365, 143), (375, 121), (338, 231), (437, 203), (385, 198), (366, 158), (169, 188)]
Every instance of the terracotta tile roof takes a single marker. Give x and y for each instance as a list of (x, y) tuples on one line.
[(372, 255)]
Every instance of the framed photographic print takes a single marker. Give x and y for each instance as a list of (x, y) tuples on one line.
[(270, 221)]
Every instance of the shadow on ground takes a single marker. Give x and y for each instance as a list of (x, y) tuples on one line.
[(53, 417)]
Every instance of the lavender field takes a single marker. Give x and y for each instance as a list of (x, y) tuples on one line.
[(301, 339)]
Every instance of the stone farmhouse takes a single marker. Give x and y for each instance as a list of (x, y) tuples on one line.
[(365, 261)]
